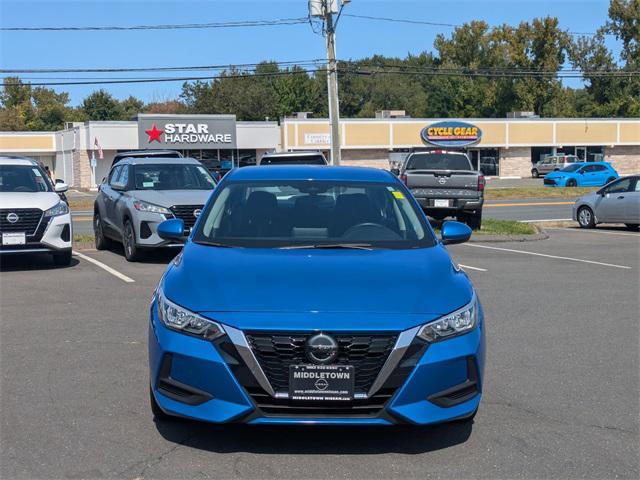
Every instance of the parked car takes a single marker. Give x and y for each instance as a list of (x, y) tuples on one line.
[(140, 193), (552, 163), (293, 158), (616, 202), (149, 153), (584, 174), (33, 218), (313, 296), (445, 184)]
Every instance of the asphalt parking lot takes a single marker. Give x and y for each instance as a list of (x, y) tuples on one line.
[(560, 400)]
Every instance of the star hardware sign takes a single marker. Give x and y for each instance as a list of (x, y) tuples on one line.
[(154, 134)]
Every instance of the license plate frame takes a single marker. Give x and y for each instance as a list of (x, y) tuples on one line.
[(321, 383), (14, 238)]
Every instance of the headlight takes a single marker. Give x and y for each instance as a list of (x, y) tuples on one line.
[(456, 323), (60, 209), (150, 207), (177, 318)]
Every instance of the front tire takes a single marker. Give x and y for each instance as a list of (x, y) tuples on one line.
[(571, 183), (62, 259), (101, 241), (586, 219), (535, 173), (131, 251)]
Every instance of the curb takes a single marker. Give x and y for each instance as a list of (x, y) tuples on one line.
[(540, 235)]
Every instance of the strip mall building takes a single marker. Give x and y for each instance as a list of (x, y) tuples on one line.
[(507, 147)]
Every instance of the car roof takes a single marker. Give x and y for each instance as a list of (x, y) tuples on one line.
[(145, 153), (311, 172), (292, 154), (15, 160), (157, 160)]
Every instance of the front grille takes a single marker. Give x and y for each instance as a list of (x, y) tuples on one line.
[(28, 220), (185, 212), (548, 181), (277, 351)]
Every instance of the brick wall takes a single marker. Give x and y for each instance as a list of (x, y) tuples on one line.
[(515, 162), (624, 158)]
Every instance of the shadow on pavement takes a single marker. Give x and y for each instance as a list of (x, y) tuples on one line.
[(310, 440), (31, 261), (159, 256)]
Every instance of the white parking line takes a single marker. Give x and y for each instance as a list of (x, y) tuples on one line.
[(106, 268), (549, 256), (595, 231), (472, 268)]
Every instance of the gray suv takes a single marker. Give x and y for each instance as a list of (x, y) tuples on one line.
[(140, 193)]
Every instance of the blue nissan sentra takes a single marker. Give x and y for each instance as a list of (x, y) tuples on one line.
[(315, 295)]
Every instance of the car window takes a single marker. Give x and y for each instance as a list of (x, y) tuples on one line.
[(293, 160), (574, 167), (301, 213), (115, 173), (23, 178), (588, 168), (637, 186), (170, 176), (598, 168), (438, 161), (623, 185), (123, 180)]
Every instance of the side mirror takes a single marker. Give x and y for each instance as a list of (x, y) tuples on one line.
[(172, 230), (60, 186), (455, 232), (395, 171)]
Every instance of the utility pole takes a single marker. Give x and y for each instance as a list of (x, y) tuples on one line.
[(325, 10)]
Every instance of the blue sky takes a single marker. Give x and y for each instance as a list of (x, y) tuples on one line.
[(356, 38)]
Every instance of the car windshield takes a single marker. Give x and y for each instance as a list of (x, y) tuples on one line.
[(165, 176), (438, 161), (293, 160), (313, 214), (571, 168), (23, 178)]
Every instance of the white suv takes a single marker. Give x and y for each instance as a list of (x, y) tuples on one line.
[(33, 217)]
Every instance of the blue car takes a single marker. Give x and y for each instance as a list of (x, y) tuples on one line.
[(315, 295), (583, 174)]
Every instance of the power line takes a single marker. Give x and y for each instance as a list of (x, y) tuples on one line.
[(236, 24), (247, 75), (159, 69), (434, 24)]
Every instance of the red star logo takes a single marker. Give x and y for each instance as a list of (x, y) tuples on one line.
[(154, 134)]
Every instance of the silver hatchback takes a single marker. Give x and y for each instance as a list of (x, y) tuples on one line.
[(140, 193), (616, 202)]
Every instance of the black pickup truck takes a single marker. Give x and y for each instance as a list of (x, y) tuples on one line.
[(446, 185)]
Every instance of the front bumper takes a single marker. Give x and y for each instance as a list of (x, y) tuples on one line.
[(146, 228), (208, 381), (53, 234)]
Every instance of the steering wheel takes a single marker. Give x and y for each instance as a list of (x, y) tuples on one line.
[(375, 230)]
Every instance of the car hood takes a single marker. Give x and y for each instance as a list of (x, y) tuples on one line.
[(559, 174), (405, 287), (168, 198), (41, 200)]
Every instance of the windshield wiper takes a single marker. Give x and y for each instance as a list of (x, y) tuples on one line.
[(348, 246), (214, 244)]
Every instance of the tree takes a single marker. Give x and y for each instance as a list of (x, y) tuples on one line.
[(101, 105)]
